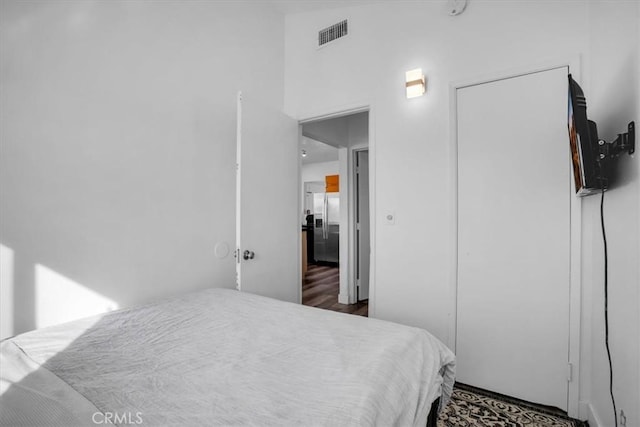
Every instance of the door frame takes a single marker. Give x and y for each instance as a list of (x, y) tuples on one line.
[(575, 244), (333, 113)]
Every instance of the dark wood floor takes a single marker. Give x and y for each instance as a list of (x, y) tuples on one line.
[(320, 288)]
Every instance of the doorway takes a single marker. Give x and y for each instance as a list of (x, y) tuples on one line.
[(333, 210)]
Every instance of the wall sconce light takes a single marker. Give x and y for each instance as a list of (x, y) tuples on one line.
[(415, 83), (304, 153)]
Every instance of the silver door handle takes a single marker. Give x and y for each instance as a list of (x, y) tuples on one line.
[(248, 255), (325, 217)]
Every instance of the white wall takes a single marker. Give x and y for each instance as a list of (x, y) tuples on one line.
[(412, 153), (318, 171), (118, 140), (612, 100), (412, 136), (118, 129)]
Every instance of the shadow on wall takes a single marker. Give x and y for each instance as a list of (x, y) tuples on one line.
[(612, 116), (55, 297)]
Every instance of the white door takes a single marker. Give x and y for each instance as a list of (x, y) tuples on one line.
[(363, 246), (267, 218), (514, 190)]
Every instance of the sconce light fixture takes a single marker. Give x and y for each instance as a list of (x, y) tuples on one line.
[(304, 153), (415, 83)]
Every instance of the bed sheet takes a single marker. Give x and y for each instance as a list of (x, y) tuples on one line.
[(222, 357)]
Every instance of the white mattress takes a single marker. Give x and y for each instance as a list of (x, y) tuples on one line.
[(221, 357)]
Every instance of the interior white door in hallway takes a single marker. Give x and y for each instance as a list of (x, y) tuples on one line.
[(514, 194), (363, 238), (267, 206)]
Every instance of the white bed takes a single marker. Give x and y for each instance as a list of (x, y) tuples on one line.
[(221, 357)]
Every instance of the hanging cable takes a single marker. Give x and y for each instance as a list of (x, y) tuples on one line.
[(606, 298)]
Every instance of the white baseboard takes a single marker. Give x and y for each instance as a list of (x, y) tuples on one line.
[(583, 411), (343, 298), (593, 418)]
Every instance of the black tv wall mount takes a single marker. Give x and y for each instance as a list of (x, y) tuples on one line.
[(625, 142)]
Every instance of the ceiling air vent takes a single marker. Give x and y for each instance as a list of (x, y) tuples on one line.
[(332, 33)]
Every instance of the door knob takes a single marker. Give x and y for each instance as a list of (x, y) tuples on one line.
[(248, 255)]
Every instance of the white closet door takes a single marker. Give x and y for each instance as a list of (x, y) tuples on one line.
[(514, 193)]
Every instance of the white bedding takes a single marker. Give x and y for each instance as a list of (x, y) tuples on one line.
[(221, 357)]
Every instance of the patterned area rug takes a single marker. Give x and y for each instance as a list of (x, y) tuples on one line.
[(473, 407)]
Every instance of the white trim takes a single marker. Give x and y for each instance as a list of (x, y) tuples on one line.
[(510, 73), (453, 223), (593, 418), (575, 271), (575, 301), (346, 261), (373, 209), (238, 189), (345, 110), (300, 200), (575, 307)]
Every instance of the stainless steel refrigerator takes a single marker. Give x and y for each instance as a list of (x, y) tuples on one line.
[(326, 232)]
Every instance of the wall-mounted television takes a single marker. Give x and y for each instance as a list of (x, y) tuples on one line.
[(592, 157)]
